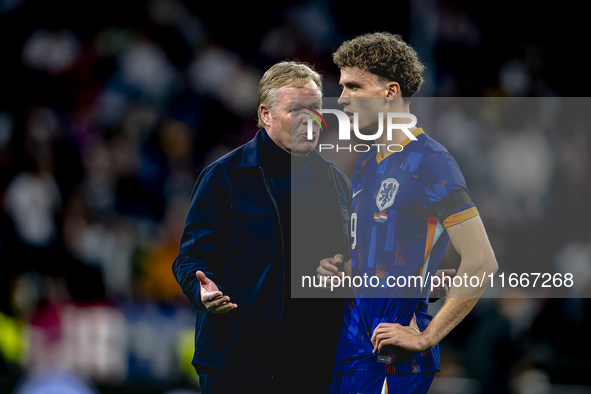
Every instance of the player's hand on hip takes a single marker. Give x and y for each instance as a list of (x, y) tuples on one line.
[(213, 299), (328, 271), (406, 337)]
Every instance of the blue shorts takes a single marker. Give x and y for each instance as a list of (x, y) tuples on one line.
[(373, 383)]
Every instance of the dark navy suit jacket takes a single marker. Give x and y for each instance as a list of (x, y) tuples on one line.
[(233, 234)]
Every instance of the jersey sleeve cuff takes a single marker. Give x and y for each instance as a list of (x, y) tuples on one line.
[(460, 217)]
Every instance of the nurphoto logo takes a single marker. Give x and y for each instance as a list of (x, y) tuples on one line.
[(345, 129)]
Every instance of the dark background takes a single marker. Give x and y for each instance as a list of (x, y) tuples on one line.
[(109, 110)]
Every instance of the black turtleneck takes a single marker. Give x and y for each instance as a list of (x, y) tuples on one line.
[(309, 235), (309, 327)]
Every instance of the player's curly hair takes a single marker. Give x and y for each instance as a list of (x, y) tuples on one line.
[(385, 55)]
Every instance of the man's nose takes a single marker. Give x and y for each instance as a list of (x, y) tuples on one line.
[(344, 99)]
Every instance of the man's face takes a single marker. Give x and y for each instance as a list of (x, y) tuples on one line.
[(363, 93), (288, 123)]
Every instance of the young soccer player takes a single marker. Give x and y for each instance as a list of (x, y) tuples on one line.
[(406, 206)]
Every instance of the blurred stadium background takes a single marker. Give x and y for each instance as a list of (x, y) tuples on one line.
[(109, 110)]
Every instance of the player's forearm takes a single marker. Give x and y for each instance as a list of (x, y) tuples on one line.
[(449, 316), (460, 300)]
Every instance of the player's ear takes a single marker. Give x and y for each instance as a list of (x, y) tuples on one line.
[(393, 90), (265, 115)]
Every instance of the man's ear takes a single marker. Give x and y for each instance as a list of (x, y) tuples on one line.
[(393, 91), (265, 115)]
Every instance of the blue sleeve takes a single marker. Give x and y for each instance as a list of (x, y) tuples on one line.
[(204, 234), (439, 176)]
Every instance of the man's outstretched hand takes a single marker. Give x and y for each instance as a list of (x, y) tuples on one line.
[(212, 297)]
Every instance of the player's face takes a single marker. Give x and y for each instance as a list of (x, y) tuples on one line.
[(288, 124), (363, 93)]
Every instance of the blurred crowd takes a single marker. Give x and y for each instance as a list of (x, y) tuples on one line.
[(109, 111)]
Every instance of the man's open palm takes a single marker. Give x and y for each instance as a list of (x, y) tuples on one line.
[(213, 299)]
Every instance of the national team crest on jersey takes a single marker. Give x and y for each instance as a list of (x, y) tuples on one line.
[(386, 194)]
